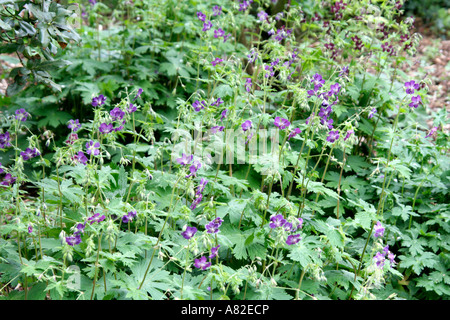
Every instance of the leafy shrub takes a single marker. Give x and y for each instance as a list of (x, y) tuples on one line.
[(135, 187)]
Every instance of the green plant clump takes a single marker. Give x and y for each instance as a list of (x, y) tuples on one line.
[(210, 150)]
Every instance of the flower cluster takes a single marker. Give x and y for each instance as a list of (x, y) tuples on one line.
[(8, 180), (380, 257), (199, 193), (199, 105), (337, 7), (358, 42), (410, 87), (245, 4), (278, 221), (75, 239)]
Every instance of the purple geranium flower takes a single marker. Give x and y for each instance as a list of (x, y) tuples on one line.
[(432, 131), (294, 132), (131, 108), (333, 136), (30, 228), (213, 226), (281, 123), (246, 125), (185, 159), (80, 157), (28, 153), (194, 168), (214, 251), (248, 84), (218, 33), (74, 125), (371, 113), (223, 114), (216, 129), (349, 133), (379, 230), (117, 114), (8, 180), (98, 101), (216, 61), (277, 221), (206, 26), (262, 15), (197, 105), (415, 101), (201, 16), (293, 239), (318, 81), (93, 148), (201, 263), (73, 240), (106, 128), (218, 102), (96, 218), (189, 232), (217, 10), (335, 88), (379, 260), (5, 140), (138, 94), (21, 114), (410, 86)]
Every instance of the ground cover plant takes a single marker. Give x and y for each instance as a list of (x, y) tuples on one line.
[(206, 150)]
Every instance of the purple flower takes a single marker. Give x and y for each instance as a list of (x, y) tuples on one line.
[(131, 108), (106, 128), (344, 71), (432, 131), (379, 230), (415, 101), (213, 226), (30, 228), (73, 240), (246, 125), (21, 114), (80, 157), (294, 132), (218, 33), (207, 26), (333, 136), (5, 140), (379, 260), (28, 153), (80, 228), (74, 125), (201, 263), (217, 10), (197, 200), (262, 15), (184, 160), (117, 114), (138, 94), (201, 16), (288, 227), (223, 114), (335, 88), (410, 86), (277, 221), (349, 133), (325, 112), (216, 61), (126, 218), (197, 105), (93, 148), (252, 56), (194, 168), (300, 223), (318, 81), (281, 123), (8, 180), (218, 102), (358, 43), (248, 84), (189, 232), (98, 101), (72, 138), (96, 218), (217, 129), (201, 186), (214, 251), (225, 38), (371, 113), (293, 239)]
